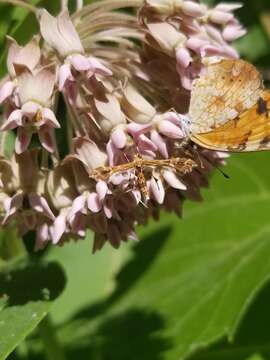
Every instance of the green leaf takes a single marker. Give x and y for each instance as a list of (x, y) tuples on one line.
[(11, 246), (254, 45), (256, 357), (21, 24), (27, 291), (252, 341), (90, 277), (189, 282)]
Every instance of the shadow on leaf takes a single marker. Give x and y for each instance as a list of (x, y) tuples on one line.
[(24, 282), (134, 334), (144, 254)]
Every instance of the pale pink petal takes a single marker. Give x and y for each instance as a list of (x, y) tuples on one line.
[(137, 196), (232, 32), (22, 140), (42, 236), (193, 9), (108, 209), (167, 128), (49, 117), (214, 33), (14, 120), (173, 180), (36, 87), (80, 62), (97, 67), (173, 117), (30, 109), (64, 75), (145, 144), (112, 152), (133, 236), (12, 205), (60, 33), (13, 52), (183, 57), (117, 179), (47, 138), (160, 143), (6, 91), (39, 204), (220, 17), (29, 55), (69, 33), (7, 204), (78, 205), (229, 51), (157, 190), (79, 224), (93, 202), (119, 138), (101, 189), (195, 43), (89, 153), (137, 129), (227, 7), (59, 227), (211, 50)]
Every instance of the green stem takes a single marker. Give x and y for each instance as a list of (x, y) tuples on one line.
[(22, 4), (52, 347)]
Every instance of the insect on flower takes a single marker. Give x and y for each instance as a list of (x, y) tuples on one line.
[(181, 165), (229, 108)]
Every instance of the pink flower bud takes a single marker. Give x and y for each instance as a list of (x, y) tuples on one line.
[(220, 17), (232, 32), (183, 57), (192, 8)]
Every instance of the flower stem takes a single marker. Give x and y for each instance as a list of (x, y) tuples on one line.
[(22, 4), (52, 348)]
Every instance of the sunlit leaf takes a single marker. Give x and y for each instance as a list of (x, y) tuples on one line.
[(27, 292)]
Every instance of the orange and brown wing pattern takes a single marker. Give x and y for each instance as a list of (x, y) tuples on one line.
[(226, 90), (250, 131)]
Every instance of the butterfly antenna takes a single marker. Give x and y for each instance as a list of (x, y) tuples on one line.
[(217, 167), (222, 172)]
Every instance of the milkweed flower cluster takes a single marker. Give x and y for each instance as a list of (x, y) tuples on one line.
[(121, 152)]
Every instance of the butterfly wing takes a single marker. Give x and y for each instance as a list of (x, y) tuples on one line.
[(248, 132), (226, 90)]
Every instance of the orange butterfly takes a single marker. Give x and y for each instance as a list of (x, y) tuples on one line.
[(229, 108)]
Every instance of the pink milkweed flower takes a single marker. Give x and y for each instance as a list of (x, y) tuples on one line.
[(168, 7), (60, 33), (192, 34), (34, 90), (28, 56), (25, 202)]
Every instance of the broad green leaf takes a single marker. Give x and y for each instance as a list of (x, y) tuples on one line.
[(27, 291), (252, 341), (254, 45), (90, 277), (256, 357), (11, 246), (189, 282)]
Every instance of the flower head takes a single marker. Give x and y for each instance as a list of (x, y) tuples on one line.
[(34, 90)]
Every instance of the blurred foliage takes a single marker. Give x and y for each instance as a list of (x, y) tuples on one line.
[(27, 291), (196, 288)]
